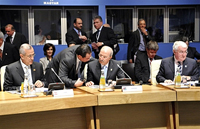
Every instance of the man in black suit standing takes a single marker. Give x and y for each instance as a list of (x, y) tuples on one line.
[(169, 66), (76, 36), (138, 41), (14, 74), (8, 52), (111, 70), (143, 62), (104, 36), (14, 38)]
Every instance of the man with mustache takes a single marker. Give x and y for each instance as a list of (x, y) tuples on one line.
[(105, 62)]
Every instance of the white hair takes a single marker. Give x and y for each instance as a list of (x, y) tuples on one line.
[(178, 44)]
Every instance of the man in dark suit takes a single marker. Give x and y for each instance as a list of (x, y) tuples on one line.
[(170, 65), (104, 36), (14, 38), (70, 66), (8, 52), (143, 62), (105, 60), (14, 74), (76, 35), (138, 41)]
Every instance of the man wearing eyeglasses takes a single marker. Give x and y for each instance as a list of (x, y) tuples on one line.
[(106, 62), (14, 74), (188, 66)]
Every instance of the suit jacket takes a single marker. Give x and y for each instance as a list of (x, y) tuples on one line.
[(167, 69), (94, 71), (44, 61), (18, 40), (10, 54), (193, 53), (106, 36), (14, 75), (73, 37), (66, 53), (142, 68), (134, 43)]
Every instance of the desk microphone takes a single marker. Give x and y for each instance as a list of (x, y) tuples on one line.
[(57, 75), (123, 71)]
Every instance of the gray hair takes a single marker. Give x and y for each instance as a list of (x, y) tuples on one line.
[(24, 47), (1, 35), (178, 44), (152, 45), (108, 48), (141, 19)]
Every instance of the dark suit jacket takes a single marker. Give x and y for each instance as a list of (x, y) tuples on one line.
[(193, 53), (142, 68), (72, 37), (10, 54), (18, 40), (94, 71), (106, 36), (134, 43), (167, 71), (66, 53), (14, 75)]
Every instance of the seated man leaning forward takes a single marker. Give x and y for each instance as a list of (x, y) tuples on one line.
[(105, 60), (169, 65), (14, 74), (143, 62)]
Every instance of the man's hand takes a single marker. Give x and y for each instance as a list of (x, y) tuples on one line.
[(130, 61), (83, 38), (100, 44), (70, 45), (90, 83), (94, 45), (39, 84), (168, 81), (143, 30), (78, 83)]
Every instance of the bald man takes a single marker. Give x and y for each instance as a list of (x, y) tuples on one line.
[(105, 60)]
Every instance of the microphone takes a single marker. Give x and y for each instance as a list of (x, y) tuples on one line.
[(123, 71), (57, 75)]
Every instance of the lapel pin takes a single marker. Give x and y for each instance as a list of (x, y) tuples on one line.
[(6, 54), (34, 69), (110, 69), (185, 66)]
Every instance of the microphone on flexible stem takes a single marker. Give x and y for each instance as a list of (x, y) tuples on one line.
[(123, 71), (57, 76)]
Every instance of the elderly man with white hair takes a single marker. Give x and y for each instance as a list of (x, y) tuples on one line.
[(169, 65)]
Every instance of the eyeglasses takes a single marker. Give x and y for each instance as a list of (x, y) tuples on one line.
[(182, 52), (30, 56), (103, 56)]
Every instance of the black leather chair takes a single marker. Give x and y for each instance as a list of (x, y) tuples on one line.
[(129, 69)]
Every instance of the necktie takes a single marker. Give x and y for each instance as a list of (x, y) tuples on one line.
[(151, 59), (10, 39), (97, 35), (1, 54), (28, 74), (179, 67), (105, 71), (78, 71), (79, 32)]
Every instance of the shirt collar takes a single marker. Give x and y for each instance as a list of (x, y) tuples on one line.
[(23, 65), (76, 30)]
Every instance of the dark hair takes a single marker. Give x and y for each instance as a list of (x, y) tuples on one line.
[(98, 17), (75, 20), (152, 45), (37, 29), (141, 19), (185, 38), (47, 46), (83, 50)]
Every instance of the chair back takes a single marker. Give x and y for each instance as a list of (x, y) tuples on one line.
[(129, 69), (3, 69), (155, 65)]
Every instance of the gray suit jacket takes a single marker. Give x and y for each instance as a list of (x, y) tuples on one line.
[(167, 71), (94, 71), (14, 75)]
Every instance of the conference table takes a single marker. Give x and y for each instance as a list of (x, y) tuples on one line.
[(187, 107), (149, 108), (47, 112)]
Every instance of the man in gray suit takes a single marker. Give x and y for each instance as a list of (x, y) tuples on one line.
[(14, 74), (105, 60), (169, 65)]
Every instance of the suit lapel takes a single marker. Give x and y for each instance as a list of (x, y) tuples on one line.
[(33, 70), (98, 66), (171, 65), (20, 69), (109, 70), (4, 52), (184, 69)]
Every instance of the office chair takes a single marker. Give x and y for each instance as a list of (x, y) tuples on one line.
[(155, 65), (129, 69)]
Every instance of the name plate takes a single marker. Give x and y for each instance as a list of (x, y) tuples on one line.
[(131, 88), (63, 93)]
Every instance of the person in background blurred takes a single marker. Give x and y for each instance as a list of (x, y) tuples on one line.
[(39, 38), (49, 50), (192, 52)]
